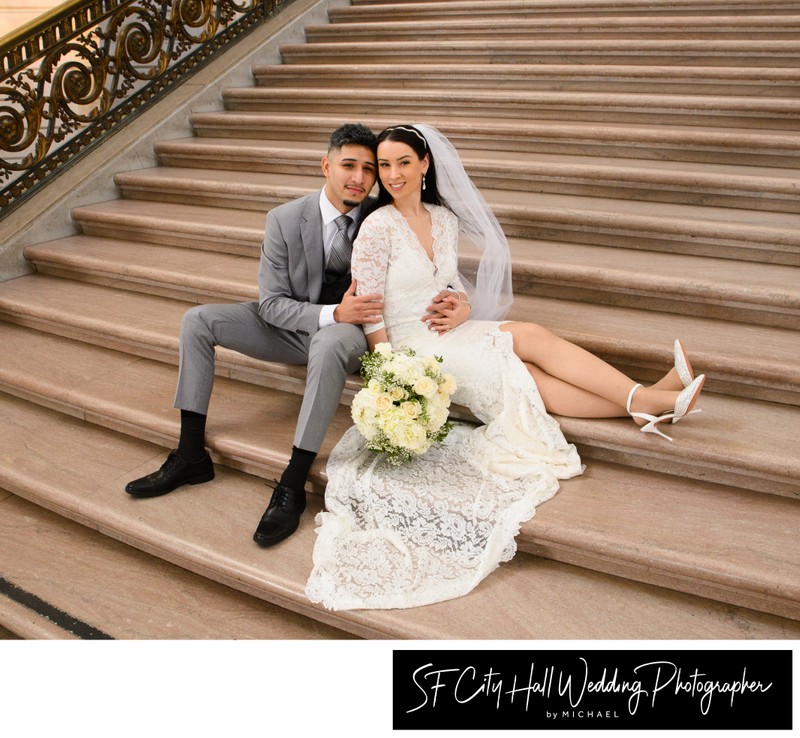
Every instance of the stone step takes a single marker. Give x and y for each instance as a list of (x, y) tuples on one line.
[(643, 52), (79, 592), (610, 78), (604, 521), (737, 359), (739, 442), (24, 624), (361, 10), (207, 530), (660, 142), (759, 294), (666, 227), (420, 104), (724, 185), (698, 230), (712, 27), (181, 273), (238, 232)]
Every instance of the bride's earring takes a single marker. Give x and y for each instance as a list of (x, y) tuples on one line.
[(423, 180)]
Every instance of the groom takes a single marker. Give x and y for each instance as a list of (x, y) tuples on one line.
[(307, 313)]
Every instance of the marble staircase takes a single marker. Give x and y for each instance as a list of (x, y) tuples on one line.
[(642, 156)]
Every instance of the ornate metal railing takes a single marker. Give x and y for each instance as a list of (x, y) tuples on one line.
[(82, 71)]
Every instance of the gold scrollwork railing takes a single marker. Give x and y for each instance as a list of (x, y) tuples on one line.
[(88, 67)]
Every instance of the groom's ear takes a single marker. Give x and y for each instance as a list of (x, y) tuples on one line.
[(326, 166)]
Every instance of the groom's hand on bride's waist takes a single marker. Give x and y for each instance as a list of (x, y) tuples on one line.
[(446, 311), (359, 309)]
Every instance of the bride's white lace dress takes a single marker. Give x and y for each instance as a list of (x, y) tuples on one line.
[(433, 529)]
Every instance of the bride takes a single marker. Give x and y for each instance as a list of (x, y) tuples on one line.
[(433, 529)]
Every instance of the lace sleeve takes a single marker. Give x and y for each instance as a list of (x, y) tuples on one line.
[(370, 260)]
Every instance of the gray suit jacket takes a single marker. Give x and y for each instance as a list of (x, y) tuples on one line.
[(292, 266)]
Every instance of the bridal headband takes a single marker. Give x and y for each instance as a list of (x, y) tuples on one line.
[(411, 130)]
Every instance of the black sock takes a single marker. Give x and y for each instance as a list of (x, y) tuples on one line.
[(296, 473), (191, 446)]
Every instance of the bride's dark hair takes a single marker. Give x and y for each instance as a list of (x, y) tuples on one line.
[(410, 136)]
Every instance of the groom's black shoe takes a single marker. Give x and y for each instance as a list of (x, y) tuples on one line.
[(173, 473), (281, 517)]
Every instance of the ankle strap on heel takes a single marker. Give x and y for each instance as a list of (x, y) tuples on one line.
[(630, 397)]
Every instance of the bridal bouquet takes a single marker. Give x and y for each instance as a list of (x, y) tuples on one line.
[(403, 407)]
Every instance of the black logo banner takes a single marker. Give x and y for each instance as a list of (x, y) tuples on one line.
[(603, 690)]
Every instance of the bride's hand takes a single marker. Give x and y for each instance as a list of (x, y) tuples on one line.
[(446, 312)]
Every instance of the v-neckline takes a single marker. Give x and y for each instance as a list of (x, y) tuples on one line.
[(432, 258)]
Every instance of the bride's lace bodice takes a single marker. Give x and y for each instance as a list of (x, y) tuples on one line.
[(389, 260)]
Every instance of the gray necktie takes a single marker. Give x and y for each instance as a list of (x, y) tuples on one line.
[(341, 249)]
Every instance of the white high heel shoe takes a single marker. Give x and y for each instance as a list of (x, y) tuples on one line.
[(682, 365), (683, 407), (687, 398)]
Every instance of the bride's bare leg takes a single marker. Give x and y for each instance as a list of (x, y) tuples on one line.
[(562, 398), (559, 358), (670, 381)]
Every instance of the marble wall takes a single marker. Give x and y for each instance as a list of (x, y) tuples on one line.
[(15, 13)]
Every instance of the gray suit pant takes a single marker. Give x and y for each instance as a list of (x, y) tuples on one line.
[(330, 354)]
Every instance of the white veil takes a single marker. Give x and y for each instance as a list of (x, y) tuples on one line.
[(484, 256)]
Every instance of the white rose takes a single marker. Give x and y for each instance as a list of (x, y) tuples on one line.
[(384, 349), (411, 409), (426, 387), (383, 402), (374, 386), (398, 393)]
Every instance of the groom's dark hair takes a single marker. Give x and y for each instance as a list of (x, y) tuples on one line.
[(410, 136), (352, 134)]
